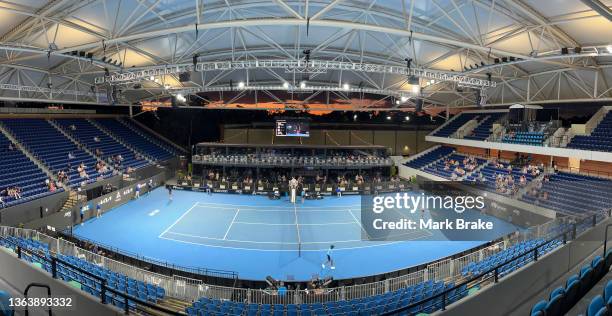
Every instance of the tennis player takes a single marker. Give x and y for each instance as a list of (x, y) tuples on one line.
[(330, 260)]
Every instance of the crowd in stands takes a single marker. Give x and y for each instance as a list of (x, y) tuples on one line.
[(275, 177), (460, 167), (285, 157)]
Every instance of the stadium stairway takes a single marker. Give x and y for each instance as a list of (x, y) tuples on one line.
[(170, 303), (72, 201), (119, 140)]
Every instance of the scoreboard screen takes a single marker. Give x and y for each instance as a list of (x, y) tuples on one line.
[(286, 127)]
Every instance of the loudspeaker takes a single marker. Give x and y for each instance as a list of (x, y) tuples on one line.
[(504, 59), (496, 60), (564, 51), (184, 77), (577, 50)]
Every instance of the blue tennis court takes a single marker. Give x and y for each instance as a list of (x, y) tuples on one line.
[(256, 237)]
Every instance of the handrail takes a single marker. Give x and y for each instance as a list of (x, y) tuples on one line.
[(27, 289), (606, 240), (103, 287), (476, 278)]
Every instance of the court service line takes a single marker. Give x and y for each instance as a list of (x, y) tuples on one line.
[(281, 206), (263, 242), (294, 224), (263, 209), (176, 221), (231, 224), (382, 244)]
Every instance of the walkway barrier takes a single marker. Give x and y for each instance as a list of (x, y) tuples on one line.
[(448, 270)]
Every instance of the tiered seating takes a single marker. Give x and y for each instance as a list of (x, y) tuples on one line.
[(139, 142), (483, 130), (117, 281), (429, 157), (438, 166), (476, 268), (525, 138), (85, 133), (490, 171), (563, 298), (601, 304), (372, 305), (574, 193), (169, 148), (19, 171), (455, 124), (51, 147), (599, 140)]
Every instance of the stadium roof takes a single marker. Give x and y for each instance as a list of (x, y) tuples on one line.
[(46, 45)]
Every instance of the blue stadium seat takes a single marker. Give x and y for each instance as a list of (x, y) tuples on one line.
[(596, 306), (85, 132), (51, 147), (139, 142), (19, 171), (539, 307), (5, 309), (600, 138)]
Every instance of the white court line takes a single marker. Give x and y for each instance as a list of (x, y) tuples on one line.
[(262, 209), (359, 223), (176, 221), (285, 250), (294, 224), (278, 206), (231, 224), (261, 242)]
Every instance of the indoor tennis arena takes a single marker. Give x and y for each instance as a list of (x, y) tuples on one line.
[(305, 157)]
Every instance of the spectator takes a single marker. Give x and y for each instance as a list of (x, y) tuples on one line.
[(282, 289)]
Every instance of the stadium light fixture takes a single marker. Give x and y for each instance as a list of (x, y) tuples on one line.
[(345, 86), (404, 98), (286, 85), (388, 117), (416, 89), (166, 86), (609, 48), (152, 78), (407, 118), (355, 117), (241, 85), (303, 84)]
